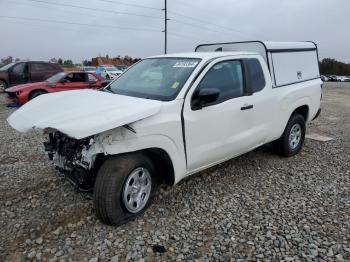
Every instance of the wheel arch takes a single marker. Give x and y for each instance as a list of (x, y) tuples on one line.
[(36, 90), (302, 110), (161, 159), (3, 79), (165, 167), (6, 82)]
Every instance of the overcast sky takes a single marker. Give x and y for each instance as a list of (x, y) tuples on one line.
[(326, 22)]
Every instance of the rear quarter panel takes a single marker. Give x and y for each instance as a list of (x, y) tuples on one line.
[(289, 98)]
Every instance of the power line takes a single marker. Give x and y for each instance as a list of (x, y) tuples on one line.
[(133, 5), (45, 7), (95, 9), (196, 26), (209, 23), (81, 24), (187, 37)]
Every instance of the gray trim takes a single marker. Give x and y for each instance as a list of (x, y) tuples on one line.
[(291, 50), (298, 82)]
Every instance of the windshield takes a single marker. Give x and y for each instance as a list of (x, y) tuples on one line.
[(55, 78), (155, 78), (7, 66)]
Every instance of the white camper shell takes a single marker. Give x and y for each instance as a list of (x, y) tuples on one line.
[(288, 62)]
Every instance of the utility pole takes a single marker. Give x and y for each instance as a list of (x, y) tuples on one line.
[(165, 27)]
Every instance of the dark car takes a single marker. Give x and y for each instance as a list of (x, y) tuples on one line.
[(26, 72)]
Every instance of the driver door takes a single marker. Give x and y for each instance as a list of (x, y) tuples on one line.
[(18, 74), (218, 130)]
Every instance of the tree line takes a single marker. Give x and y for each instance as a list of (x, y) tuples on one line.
[(67, 62), (329, 66)]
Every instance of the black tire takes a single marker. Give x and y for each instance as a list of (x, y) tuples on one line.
[(3, 86), (283, 145), (110, 183), (36, 94)]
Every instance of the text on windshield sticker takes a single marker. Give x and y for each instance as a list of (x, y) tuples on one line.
[(185, 64)]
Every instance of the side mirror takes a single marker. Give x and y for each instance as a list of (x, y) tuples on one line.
[(204, 97)]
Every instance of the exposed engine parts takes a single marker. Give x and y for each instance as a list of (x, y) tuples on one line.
[(71, 159)]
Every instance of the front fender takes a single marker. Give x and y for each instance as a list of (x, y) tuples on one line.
[(175, 152)]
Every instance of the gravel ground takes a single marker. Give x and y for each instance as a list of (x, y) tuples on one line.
[(255, 207)]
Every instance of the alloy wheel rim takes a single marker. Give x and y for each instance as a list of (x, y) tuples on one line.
[(137, 190), (294, 136)]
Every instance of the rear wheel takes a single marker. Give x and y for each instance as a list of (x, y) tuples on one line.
[(3, 86), (292, 139), (36, 94), (124, 188)]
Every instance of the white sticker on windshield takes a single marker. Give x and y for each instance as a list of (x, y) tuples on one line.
[(185, 64)]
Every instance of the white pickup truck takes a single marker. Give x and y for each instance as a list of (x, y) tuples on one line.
[(170, 116)]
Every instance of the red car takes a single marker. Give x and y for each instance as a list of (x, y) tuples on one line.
[(56, 83)]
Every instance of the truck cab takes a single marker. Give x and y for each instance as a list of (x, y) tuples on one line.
[(170, 116)]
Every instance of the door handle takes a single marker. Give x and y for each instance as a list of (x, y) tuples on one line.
[(246, 107)]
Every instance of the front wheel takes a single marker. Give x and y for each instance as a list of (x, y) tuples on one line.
[(292, 139), (36, 94), (124, 188)]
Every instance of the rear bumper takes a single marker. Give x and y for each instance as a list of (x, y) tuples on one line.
[(317, 114)]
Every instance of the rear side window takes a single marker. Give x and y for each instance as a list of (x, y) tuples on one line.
[(37, 67), (255, 75)]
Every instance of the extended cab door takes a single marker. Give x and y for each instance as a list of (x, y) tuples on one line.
[(222, 129)]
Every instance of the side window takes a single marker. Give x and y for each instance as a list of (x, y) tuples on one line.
[(255, 74), (92, 78), (69, 78), (79, 77), (38, 67), (18, 69), (76, 77), (226, 76)]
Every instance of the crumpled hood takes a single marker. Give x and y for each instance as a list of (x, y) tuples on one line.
[(24, 86), (81, 113)]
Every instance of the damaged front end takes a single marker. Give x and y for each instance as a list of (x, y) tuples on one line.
[(73, 158)]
